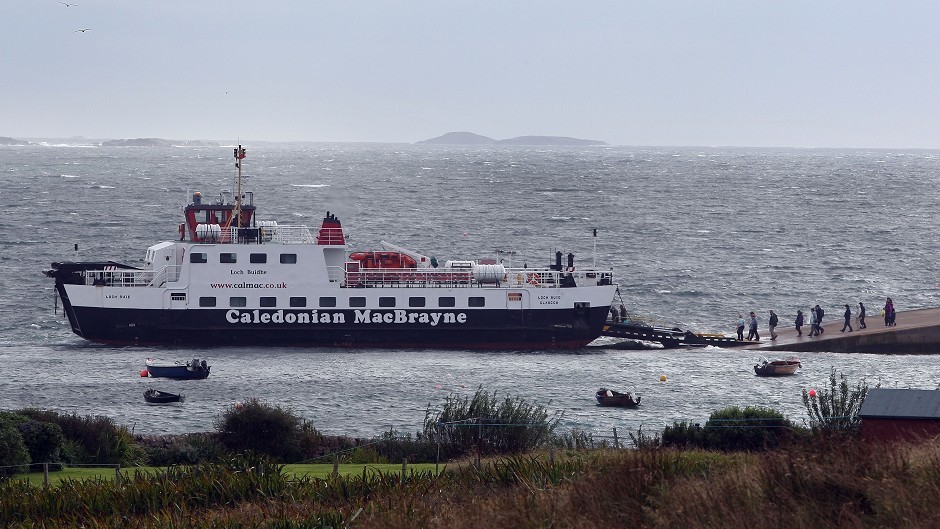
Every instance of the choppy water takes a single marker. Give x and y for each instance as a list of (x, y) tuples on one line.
[(695, 236)]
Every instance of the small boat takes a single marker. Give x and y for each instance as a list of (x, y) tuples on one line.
[(154, 396), (194, 369), (777, 368), (609, 397)]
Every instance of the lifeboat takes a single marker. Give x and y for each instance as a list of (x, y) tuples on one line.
[(384, 260)]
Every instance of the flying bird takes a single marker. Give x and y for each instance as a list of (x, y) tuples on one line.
[(82, 30), (67, 4)]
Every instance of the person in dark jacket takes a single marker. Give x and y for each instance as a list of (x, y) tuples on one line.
[(819, 316), (848, 319), (799, 322), (773, 325), (861, 316)]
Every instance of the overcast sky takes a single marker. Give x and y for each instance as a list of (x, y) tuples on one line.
[(656, 72)]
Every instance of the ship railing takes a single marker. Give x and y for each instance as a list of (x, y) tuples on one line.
[(465, 277), (408, 277), (132, 278), (287, 234)]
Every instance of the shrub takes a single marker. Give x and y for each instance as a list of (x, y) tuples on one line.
[(732, 428), (683, 435), (259, 427), (393, 447), (751, 428), (186, 449), (835, 408), (13, 453), (91, 439), (510, 425)]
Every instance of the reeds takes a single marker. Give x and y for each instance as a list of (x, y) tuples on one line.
[(489, 424)]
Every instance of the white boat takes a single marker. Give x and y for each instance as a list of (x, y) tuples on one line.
[(777, 368), (230, 279)]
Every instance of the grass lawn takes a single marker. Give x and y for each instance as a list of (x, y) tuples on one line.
[(299, 470)]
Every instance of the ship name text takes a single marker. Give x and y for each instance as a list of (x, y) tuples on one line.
[(364, 316)]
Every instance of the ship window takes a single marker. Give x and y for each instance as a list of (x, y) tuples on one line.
[(228, 258), (258, 258), (288, 258), (415, 301), (268, 301), (386, 302), (327, 302), (207, 301), (198, 258), (298, 301), (446, 302), (237, 301), (476, 301), (357, 302), (178, 296)]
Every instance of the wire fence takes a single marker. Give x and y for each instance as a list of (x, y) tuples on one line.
[(615, 439)]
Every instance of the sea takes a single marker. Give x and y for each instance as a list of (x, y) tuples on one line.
[(696, 236)]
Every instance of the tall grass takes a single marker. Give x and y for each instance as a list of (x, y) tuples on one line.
[(495, 425), (819, 484)]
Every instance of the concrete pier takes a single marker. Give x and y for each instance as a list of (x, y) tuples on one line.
[(916, 332)]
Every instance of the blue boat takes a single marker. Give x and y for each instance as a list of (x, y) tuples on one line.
[(195, 369)]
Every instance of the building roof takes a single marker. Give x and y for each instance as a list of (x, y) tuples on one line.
[(901, 404)]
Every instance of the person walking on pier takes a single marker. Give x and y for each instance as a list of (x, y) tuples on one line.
[(740, 327), (813, 322), (752, 332), (819, 317), (799, 322), (773, 325), (848, 319), (889, 312), (861, 316)]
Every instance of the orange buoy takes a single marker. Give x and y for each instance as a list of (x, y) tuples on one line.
[(144, 373)]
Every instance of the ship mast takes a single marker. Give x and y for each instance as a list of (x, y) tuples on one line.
[(239, 156)]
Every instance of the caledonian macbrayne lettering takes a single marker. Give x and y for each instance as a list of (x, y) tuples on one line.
[(360, 316)]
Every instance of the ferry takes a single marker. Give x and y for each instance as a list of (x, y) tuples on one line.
[(230, 279)]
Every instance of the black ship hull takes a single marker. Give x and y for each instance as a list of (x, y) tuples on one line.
[(479, 329)]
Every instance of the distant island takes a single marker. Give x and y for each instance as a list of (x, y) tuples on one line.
[(157, 142), (4, 140), (469, 138)]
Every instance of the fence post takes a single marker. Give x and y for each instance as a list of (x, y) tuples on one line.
[(117, 473), (437, 462), (479, 440), (551, 456), (616, 439), (335, 466), (404, 469), (45, 475)]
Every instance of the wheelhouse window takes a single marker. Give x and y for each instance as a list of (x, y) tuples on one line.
[(327, 301), (288, 258), (237, 301), (446, 301), (198, 257), (228, 258), (268, 301), (257, 258), (386, 301), (207, 301), (476, 301), (298, 301), (416, 301), (357, 302)]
